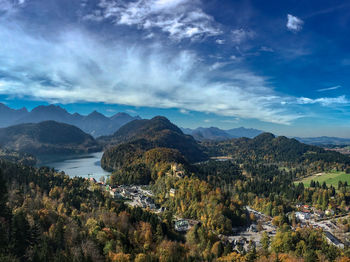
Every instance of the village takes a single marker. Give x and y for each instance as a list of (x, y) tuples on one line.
[(242, 237)]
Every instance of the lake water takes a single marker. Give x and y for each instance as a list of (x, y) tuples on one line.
[(88, 165)]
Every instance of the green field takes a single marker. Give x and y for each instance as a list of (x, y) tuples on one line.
[(331, 178)]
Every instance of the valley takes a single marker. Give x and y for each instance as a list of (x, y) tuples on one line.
[(237, 197)]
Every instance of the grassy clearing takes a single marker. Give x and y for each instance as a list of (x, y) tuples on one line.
[(331, 178)]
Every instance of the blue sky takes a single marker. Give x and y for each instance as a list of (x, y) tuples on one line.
[(280, 66)]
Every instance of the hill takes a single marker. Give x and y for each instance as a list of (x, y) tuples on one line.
[(132, 140), (217, 134), (95, 123), (267, 147), (48, 137), (17, 157)]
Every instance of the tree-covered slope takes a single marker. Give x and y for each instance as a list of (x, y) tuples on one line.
[(143, 135), (268, 147), (47, 137)]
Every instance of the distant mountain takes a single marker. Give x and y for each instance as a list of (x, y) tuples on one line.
[(324, 141), (267, 147), (8, 115), (48, 137), (96, 124), (214, 133), (244, 132), (138, 136)]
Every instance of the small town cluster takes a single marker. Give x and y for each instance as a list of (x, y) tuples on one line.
[(141, 196)]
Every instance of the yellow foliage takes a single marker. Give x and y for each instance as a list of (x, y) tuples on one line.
[(141, 258), (343, 259), (119, 257), (232, 257)]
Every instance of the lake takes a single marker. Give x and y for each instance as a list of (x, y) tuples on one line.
[(87, 165)]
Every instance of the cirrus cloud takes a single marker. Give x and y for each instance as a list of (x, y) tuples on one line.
[(180, 19), (79, 66)]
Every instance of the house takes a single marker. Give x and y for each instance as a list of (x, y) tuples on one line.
[(114, 193), (172, 192), (329, 212), (318, 213), (182, 225), (302, 215)]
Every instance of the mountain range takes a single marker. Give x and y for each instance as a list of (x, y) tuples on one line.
[(217, 134), (95, 124)]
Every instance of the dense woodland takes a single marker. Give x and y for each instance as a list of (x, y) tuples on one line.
[(47, 216)]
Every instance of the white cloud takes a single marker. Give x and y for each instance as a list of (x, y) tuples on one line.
[(240, 35), (184, 111), (77, 66), (220, 41), (10, 6), (218, 65), (294, 23), (181, 19), (329, 88), (324, 101)]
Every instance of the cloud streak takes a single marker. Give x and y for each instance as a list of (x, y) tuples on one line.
[(180, 19), (78, 66), (329, 88), (324, 101)]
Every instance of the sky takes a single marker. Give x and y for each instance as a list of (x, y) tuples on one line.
[(279, 66)]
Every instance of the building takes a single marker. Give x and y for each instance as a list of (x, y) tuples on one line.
[(177, 170), (302, 215), (114, 193), (331, 239), (329, 212), (172, 192), (182, 225)]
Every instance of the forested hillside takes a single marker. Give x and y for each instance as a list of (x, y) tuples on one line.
[(47, 137), (134, 140), (267, 147)]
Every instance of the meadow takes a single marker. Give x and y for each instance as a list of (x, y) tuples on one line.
[(331, 178)]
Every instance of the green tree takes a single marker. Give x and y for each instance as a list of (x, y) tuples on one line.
[(265, 241), (20, 234)]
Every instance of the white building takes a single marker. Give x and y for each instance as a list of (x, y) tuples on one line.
[(302, 215)]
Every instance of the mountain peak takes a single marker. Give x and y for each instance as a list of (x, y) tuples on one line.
[(49, 108), (96, 114), (264, 136)]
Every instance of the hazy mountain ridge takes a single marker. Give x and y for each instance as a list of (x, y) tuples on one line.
[(324, 140), (95, 123), (48, 137), (217, 134)]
